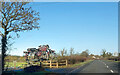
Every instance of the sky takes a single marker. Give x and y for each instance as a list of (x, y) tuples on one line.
[(80, 25)]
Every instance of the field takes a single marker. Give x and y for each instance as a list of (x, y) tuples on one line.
[(22, 64), (13, 64)]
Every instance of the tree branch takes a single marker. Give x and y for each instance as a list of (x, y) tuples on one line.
[(1, 34)]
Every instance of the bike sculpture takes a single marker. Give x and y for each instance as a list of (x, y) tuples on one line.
[(42, 53)]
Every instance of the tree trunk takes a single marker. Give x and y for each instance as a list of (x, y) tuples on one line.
[(4, 49)]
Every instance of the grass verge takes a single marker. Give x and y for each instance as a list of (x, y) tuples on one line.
[(113, 61), (77, 64), (81, 63), (20, 64)]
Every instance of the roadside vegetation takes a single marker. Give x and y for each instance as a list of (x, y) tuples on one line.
[(110, 56), (80, 63), (72, 57), (74, 60)]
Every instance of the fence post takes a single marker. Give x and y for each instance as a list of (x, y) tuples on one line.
[(40, 64), (66, 62), (14, 62), (57, 64), (50, 64)]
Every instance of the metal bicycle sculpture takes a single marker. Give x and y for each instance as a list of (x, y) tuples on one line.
[(40, 54)]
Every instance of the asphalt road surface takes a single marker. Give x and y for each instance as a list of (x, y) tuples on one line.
[(96, 66)]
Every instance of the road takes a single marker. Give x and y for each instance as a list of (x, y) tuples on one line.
[(96, 66)]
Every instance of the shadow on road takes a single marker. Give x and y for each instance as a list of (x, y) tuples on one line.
[(119, 67)]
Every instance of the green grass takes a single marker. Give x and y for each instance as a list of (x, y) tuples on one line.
[(113, 61), (41, 72), (18, 64), (77, 64), (81, 63)]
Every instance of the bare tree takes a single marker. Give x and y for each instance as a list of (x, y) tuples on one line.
[(71, 51), (63, 52), (15, 17), (103, 52)]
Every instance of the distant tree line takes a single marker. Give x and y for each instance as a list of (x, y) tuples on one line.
[(106, 54), (64, 52), (73, 57), (11, 58)]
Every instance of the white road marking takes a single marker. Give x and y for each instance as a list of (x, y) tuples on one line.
[(112, 71), (107, 67)]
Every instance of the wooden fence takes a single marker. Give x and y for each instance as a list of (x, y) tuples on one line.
[(54, 63), (46, 64)]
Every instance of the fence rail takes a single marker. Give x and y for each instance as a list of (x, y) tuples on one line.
[(46, 64), (55, 64)]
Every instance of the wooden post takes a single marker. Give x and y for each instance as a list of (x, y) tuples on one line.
[(40, 64), (50, 64), (14, 62), (66, 62), (25, 65), (57, 64)]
